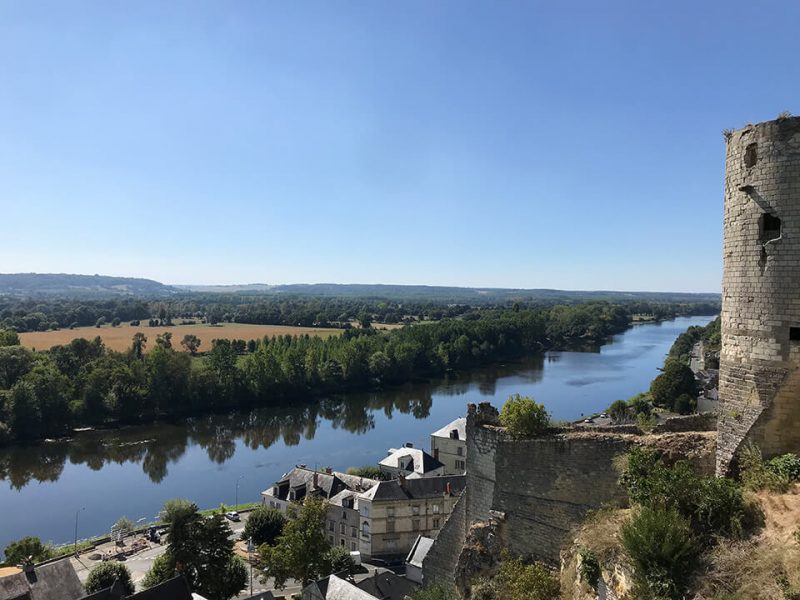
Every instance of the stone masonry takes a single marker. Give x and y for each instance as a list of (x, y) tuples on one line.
[(760, 356)]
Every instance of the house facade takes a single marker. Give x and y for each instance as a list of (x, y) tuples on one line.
[(393, 514), (449, 446), (301, 482)]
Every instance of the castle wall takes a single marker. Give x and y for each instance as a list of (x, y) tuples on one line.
[(439, 566), (760, 355)]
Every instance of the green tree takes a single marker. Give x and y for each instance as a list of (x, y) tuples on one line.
[(164, 340), (15, 362), (263, 526), (104, 575), (176, 508), (515, 580), (18, 552), (619, 411), (301, 551), (163, 569), (139, 344), (191, 343), (9, 337), (677, 379), (524, 416)]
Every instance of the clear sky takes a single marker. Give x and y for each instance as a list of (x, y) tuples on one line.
[(552, 144)]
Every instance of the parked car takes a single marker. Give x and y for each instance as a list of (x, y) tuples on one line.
[(233, 516)]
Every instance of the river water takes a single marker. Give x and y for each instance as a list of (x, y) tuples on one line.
[(133, 471)]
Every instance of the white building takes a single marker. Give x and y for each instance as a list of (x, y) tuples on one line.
[(411, 463), (449, 446)]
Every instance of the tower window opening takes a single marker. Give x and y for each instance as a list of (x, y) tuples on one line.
[(770, 227), (750, 155), (794, 334)]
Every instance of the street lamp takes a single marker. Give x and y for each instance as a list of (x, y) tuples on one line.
[(250, 549), (77, 512), (235, 504)]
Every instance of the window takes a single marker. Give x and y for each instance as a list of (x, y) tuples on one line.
[(436, 509), (794, 334), (365, 529), (415, 510), (461, 465), (770, 227), (436, 453), (341, 543), (342, 528), (390, 511), (415, 524), (354, 532), (436, 523), (352, 546), (390, 526), (460, 451), (751, 155), (330, 525)]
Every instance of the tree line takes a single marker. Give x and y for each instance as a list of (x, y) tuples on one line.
[(45, 394)]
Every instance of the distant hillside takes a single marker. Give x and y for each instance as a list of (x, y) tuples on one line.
[(465, 295), (60, 284)]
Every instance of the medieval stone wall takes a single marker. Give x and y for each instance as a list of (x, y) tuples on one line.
[(760, 355), (439, 566)]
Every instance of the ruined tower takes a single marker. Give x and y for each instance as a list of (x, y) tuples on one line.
[(760, 357)]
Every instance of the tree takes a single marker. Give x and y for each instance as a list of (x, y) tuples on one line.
[(524, 416), (191, 343), (176, 508), (619, 411), (18, 552), (301, 551), (164, 340), (115, 322), (139, 344), (124, 527), (201, 550), (100, 322), (264, 525), (9, 337), (515, 580), (339, 559), (677, 379), (104, 575)]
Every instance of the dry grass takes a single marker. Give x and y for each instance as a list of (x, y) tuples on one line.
[(119, 338)]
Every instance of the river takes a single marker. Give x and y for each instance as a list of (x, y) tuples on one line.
[(134, 470)]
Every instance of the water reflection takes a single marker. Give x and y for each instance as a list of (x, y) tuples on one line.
[(156, 446)]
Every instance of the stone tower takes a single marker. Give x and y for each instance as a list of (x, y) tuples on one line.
[(760, 357)]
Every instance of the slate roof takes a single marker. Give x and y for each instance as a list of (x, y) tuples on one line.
[(340, 589), (420, 464), (301, 480), (427, 487), (459, 425), (387, 586), (172, 589), (419, 550), (50, 581)]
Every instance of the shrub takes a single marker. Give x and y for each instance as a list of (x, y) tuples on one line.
[(589, 568), (434, 592), (684, 404), (18, 552), (677, 379), (104, 575), (524, 416), (370, 472), (515, 580), (264, 525), (619, 411), (661, 546), (786, 465), (339, 559), (755, 473)]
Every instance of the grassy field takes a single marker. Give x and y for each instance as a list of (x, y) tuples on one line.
[(119, 338)]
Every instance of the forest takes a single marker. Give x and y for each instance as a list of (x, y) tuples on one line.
[(46, 394)]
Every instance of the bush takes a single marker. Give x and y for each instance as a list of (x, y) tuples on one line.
[(524, 416), (434, 592), (18, 552), (676, 380), (661, 546), (104, 575), (339, 559), (369, 472), (757, 475), (264, 525), (786, 465), (515, 580), (619, 411), (589, 568)]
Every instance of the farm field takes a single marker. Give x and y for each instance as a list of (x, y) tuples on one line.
[(119, 338)]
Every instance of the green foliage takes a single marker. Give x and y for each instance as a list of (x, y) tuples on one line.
[(339, 560), (18, 552), (263, 526), (619, 411), (776, 474), (8, 338), (676, 380), (515, 580), (663, 550), (589, 568), (369, 472), (124, 526), (301, 552), (104, 575), (714, 507), (200, 548), (523, 416)]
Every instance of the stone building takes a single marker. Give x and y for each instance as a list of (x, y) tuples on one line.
[(411, 463), (394, 513), (759, 378), (301, 481), (449, 445)]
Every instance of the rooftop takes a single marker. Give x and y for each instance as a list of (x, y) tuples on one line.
[(419, 551), (459, 425), (303, 481), (410, 489), (421, 462)]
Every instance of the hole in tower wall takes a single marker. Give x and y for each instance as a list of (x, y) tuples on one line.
[(750, 155), (794, 334), (770, 227)]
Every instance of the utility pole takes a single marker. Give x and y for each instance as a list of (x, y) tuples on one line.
[(250, 560), (75, 547)]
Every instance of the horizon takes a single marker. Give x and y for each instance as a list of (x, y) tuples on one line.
[(519, 146)]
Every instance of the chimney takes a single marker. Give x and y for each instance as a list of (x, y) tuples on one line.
[(409, 445), (401, 479), (329, 470), (316, 479), (449, 489)]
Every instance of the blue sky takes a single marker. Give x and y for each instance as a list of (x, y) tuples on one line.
[(571, 145)]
